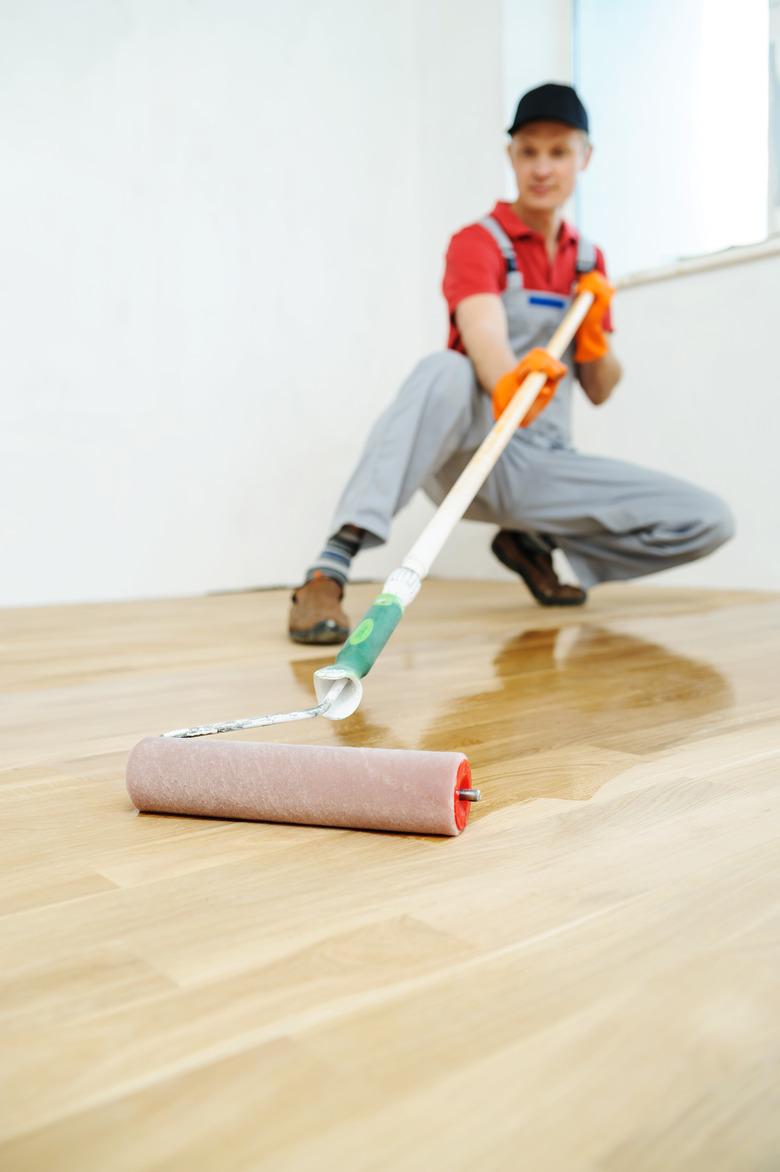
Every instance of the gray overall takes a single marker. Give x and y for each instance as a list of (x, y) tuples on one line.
[(612, 519)]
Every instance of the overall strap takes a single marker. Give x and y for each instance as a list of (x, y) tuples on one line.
[(513, 278), (586, 256)]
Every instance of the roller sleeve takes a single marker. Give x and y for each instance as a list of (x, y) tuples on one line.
[(370, 789)]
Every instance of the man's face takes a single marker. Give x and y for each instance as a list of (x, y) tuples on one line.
[(546, 158)]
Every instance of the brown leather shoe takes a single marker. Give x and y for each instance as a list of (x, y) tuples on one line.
[(535, 566), (315, 614)]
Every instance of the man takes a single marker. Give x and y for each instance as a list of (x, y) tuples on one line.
[(509, 281)]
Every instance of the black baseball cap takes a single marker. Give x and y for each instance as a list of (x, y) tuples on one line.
[(556, 103)]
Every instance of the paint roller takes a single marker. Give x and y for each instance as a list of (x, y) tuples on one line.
[(369, 789)]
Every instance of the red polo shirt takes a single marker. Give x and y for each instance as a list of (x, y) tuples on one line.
[(475, 265)]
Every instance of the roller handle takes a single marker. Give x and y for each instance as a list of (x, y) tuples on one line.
[(359, 653)]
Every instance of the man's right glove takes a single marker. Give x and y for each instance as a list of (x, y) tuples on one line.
[(534, 360)]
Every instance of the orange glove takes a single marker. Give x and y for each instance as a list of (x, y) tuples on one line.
[(590, 337), (534, 360)]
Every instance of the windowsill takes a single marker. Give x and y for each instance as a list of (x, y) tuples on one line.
[(740, 254)]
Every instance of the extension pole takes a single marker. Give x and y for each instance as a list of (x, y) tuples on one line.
[(361, 650)]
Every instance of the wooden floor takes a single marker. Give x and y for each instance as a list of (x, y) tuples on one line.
[(588, 978)]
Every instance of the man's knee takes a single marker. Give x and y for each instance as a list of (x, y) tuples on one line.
[(718, 523), (708, 522)]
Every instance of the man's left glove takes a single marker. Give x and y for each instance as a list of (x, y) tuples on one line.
[(590, 337), (535, 360)]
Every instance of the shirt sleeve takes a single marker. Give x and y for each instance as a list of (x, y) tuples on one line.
[(474, 264), (601, 267)]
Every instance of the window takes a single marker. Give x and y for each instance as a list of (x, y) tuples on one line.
[(678, 93)]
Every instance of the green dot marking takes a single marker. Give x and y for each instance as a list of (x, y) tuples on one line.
[(362, 631)]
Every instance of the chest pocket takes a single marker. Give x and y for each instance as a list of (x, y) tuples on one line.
[(533, 316)]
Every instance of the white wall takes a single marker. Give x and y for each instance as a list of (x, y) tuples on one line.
[(223, 224), (700, 401), (537, 48)]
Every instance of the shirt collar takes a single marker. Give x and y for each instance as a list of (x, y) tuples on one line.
[(517, 230)]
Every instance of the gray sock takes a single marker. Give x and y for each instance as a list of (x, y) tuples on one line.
[(336, 557)]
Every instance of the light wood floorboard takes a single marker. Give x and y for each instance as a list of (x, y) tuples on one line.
[(587, 979)]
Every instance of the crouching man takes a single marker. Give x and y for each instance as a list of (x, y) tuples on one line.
[(509, 281)]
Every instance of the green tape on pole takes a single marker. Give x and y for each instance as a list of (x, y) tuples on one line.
[(359, 653)]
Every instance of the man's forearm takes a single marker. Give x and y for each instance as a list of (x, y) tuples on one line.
[(599, 378), (490, 355), (482, 322)]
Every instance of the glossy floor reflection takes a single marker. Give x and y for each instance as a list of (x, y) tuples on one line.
[(558, 689)]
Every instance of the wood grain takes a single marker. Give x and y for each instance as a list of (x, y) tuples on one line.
[(586, 979)]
